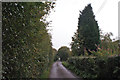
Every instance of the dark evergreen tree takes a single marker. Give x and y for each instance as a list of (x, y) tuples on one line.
[(88, 31)]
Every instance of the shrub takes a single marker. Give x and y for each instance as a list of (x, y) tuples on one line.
[(94, 67)]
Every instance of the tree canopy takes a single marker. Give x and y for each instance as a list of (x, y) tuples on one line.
[(63, 53)]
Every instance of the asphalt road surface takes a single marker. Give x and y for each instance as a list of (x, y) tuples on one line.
[(59, 71)]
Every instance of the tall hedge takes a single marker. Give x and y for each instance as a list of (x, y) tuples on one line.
[(26, 45), (95, 68)]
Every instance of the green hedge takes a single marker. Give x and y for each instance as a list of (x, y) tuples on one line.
[(26, 43), (95, 68)]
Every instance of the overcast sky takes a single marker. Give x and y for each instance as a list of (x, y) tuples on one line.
[(65, 18)]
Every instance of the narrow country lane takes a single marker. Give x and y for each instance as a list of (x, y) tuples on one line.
[(59, 71)]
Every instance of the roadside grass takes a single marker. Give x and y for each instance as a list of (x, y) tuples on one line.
[(69, 67), (46, 73), (64, 63)]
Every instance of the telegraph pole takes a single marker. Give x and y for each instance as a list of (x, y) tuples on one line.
[(119, 26)]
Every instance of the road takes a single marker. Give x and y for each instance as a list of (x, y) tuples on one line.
[(59, 71)]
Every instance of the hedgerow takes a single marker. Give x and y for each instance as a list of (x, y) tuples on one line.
[(26, 44), (95, 68)]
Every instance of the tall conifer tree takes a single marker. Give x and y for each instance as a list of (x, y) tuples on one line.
[(88, 31)]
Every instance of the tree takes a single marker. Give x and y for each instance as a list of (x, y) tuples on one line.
[(63, 53), (54, 51), (88, 31), (75, 45), (107, 43)]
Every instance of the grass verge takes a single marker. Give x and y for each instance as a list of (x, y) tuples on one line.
[(46, 73)]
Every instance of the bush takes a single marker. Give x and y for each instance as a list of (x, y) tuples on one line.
[(97, 68)]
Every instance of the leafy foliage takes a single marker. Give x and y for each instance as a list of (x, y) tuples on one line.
[(27, 47), (107, 43), (101, 54), (75, 45), (107, 47), (63, 53), (95, 68)]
